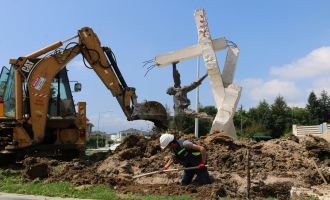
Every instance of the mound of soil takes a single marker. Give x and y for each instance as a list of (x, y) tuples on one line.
[(275, 166)]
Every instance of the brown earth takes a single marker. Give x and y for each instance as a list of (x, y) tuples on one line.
[(276, 166)]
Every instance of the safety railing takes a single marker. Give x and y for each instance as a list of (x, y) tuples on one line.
[(315, 130)]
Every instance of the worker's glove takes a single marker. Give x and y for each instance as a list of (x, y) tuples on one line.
[(201, 166), (165, 168)]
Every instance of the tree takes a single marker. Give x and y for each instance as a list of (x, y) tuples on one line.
[(261, 116), (253, 122), (188, 125), (264, 113), (204, 126), (93, 140), (279, 117), (210, 110), (313, 108), (324, 107), (299, 116), (110, 142), (242, 121)]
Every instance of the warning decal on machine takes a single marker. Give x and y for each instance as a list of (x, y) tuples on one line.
[(38, 82)]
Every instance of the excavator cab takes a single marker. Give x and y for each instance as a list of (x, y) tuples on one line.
[(3, 79), (60, 96), (9, 97)]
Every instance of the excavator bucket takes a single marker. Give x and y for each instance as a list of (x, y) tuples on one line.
[(151, 111)]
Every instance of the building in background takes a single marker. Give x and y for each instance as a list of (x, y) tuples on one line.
[(119, 137)]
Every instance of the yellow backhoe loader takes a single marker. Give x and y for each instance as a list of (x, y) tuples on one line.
[(37, 111)]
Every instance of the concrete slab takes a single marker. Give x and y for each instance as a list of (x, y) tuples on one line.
[(13, 196)]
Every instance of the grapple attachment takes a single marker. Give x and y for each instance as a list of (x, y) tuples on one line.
[(151, 111)]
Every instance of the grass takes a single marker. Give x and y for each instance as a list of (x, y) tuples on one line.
[(14, 183), (311, 197), (17, 184)]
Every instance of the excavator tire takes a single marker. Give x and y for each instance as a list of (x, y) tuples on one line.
[(151, 111)]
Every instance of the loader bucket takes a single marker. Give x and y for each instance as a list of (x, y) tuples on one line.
[(151, 111)]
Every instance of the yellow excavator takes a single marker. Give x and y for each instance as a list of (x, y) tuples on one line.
[(37, 111)]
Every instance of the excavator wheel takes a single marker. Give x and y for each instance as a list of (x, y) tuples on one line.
[(151, 111)]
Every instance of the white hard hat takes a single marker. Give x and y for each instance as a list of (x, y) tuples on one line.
[(165, 139)]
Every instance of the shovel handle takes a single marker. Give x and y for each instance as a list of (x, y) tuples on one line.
[(147, 174), (168, 170), (186, 168)]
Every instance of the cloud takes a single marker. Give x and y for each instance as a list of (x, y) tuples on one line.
[(293, 81), (297, 104), (315, 63), (251, 83), (257, 90), (321, 84)]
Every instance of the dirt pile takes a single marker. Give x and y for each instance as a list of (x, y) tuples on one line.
[(276, 166)]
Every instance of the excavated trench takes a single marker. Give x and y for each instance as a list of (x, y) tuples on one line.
[(275, 167)]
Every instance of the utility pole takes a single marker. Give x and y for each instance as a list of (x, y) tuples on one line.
[(197, 100), (98, 127)]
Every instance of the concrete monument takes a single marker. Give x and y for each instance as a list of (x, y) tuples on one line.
[(226, 93)]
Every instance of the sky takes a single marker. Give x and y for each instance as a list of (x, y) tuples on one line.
[(284, 47)]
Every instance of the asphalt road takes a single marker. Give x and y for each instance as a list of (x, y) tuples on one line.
[(11, 196)]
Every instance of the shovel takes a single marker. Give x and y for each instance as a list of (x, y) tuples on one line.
[(168, 170)]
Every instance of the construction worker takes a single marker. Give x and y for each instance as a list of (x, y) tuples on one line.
[(188, 154)]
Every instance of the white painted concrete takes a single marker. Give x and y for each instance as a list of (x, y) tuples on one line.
[(226, 94), (226, 98), (187, 53)]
